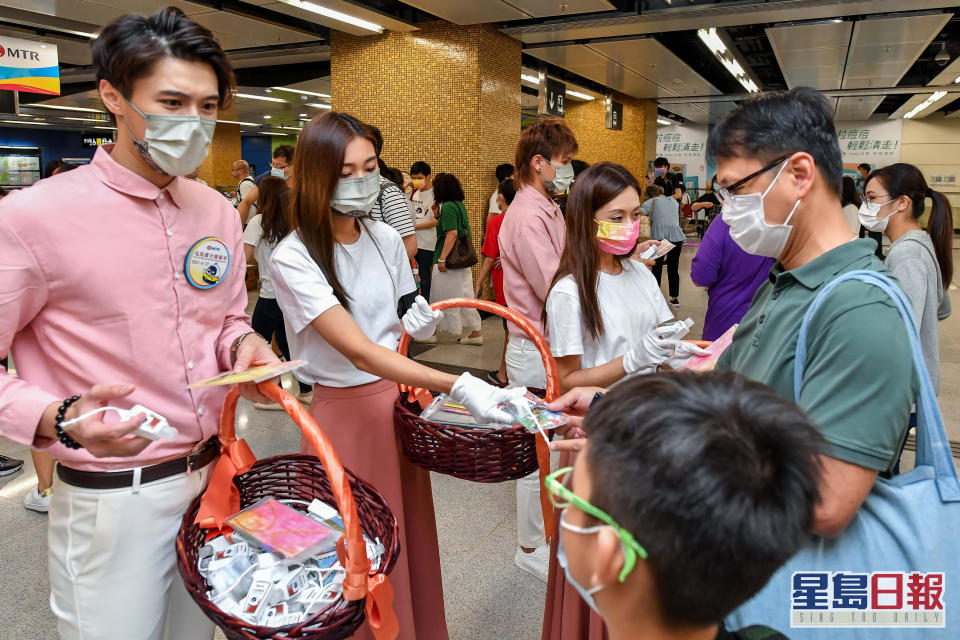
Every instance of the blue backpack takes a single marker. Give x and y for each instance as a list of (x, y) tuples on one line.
[(902, 547)]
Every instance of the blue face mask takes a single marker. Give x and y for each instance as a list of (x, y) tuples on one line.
[(586, 594), (278, 173)]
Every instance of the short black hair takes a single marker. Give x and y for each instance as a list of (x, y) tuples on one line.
[(775, 124), (864, 166), (446, 188), (661, 162), (504, 171), (52, 166), (714, 475), (579, 166), (284, 151), (508, 190), (128, 48), (420, 167)]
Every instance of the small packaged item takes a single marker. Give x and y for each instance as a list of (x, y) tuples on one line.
[(276, 527), (717, 347), (675, 330), (656, 251), (294, 583), (445, 411), (325, 514), (256, 600), (231, 576), (153, 427)]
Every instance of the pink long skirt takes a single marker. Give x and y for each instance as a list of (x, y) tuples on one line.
[(567, 616), (359, 422)]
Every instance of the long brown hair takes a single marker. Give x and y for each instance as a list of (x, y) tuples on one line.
[(317, 165), (272, 199), (902, 179), (592, 189)]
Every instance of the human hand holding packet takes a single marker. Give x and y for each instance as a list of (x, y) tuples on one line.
[(153, 427), (256, 374), (527, 410), (657, 250), (708, 362)]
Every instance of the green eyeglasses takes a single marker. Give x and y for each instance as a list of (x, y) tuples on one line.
[(562, 497)]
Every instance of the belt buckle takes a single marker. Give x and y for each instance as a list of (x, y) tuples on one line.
[(194, 457)]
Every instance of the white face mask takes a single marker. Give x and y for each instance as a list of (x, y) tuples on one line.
[(277, 172), (355, 197), (586, 594), (869, 216), (562, 181), (750, 229), (173, 145)]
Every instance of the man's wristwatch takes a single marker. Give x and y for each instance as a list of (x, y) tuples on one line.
[(236, 345)]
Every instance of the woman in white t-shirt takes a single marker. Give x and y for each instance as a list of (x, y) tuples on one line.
[(603, 308), (338, 278), (260, 237)]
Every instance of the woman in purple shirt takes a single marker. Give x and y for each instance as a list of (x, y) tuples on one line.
[(730, 275)]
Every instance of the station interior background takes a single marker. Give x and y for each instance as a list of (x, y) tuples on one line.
[(453, 82)]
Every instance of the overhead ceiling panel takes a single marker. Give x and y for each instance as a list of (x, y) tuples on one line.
[(557, 8), (919, 98), (811, 55), (883, 49), (648, 58), (693, 111), (860, 108), (463, 12), (589, 63)]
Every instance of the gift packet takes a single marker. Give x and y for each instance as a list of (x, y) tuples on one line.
[(717, 347), (675, 330), (657, 251), (268, 578), (529, 411)]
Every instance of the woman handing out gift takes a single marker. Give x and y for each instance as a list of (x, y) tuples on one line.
[(338, 278), (603, 309)]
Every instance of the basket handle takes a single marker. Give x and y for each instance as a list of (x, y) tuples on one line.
[(549, 365), (218, 502)]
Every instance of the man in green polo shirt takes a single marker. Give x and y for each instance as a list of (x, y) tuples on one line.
[(779, 165)]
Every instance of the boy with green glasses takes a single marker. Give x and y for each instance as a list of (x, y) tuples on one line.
[(691, 490)]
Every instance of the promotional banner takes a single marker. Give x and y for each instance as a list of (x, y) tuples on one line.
[(686, 145), (874, 142), (30, 66)]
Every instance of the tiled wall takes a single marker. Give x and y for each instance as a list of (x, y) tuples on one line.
[(224, 151), (627, 147), (445, 94)]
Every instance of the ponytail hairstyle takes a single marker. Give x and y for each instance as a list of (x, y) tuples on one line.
[(317, 165), (903, 179), (596, 186)]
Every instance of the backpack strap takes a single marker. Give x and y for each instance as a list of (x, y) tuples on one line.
[(933, 448)]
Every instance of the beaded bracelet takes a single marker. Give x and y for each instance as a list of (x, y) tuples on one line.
[(61, 412)]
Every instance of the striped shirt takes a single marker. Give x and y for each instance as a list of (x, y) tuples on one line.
[(395, 211)]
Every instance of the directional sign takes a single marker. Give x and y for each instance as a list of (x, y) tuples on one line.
[(614, 115), (556, 92)]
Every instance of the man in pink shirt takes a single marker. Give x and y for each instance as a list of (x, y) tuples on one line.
[(122, 283), (531, 242)]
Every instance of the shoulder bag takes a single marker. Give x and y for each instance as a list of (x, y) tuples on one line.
[(894, 571), (464, 254)]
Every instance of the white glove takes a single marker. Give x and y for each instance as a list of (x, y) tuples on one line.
[(651, 352), (420, 321), (685, 351), (481, 399)]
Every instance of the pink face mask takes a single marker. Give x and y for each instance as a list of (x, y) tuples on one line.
[(617, 238)]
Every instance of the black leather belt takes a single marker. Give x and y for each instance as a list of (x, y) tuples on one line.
[(200, 458)]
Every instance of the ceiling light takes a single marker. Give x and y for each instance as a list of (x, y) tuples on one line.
[(303, 115), (251, 96), (107, 128), (292, 128), (302, 92), (267, 117), (577, 94), (57, 106), (335, 15), (926, 103), (528, 78), (319, 106), (714, 42), (33, 124), (251, 124), (80, 119), (271, 133), (957, 80), (665, 121)]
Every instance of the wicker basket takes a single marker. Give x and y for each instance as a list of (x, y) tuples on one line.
[(298, 479)]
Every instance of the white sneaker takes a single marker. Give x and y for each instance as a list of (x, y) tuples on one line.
[(536, 563), (36, 501), (478, 340), (306, 398)]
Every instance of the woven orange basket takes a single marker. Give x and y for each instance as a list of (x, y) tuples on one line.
[(239, 480)]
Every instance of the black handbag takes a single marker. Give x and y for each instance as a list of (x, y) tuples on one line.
[(463, 255)]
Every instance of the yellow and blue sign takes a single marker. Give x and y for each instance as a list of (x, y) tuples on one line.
[(30, 66), (208, 262)]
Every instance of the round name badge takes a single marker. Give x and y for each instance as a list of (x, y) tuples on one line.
[(207, 264)]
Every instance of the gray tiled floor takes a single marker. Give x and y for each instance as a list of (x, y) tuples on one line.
[(486, 596)]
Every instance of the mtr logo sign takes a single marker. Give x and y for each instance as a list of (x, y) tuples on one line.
[(19, 54)]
